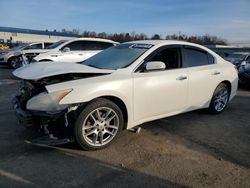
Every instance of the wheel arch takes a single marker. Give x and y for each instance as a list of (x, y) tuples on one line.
[(42, 60), (228, 84), (211, 107), (13, 56), (120, 103)]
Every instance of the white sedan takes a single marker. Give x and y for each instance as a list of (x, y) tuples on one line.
[(75, 50), (121, 88)]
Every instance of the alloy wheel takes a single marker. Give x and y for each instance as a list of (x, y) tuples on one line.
[(221, 99), (14, 62), (100, 126)]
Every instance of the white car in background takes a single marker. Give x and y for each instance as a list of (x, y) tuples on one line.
[(33, 50), (121, 88), (76, 50)]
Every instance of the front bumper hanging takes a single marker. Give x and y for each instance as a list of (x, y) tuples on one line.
[(24, 117), (54, 129)]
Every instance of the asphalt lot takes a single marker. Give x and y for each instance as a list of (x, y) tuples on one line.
[(189, 150)]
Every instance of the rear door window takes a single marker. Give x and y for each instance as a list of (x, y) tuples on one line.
[(94, 45), (197, 57)]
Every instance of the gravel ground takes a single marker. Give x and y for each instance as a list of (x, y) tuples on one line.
[(190, 150)]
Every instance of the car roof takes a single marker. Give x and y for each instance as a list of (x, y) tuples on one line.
[(95, 39), (156, 42), (166, 42), (29, 44)]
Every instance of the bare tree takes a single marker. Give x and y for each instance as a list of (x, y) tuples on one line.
[(156, 37), (124, 37)]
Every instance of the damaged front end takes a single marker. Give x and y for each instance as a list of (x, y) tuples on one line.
[(37, 108)]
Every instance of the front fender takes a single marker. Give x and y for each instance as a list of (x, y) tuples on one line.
[(74, 96), (88, 89)]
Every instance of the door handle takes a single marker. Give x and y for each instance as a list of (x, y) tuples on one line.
[(181, 78), (216, 73)]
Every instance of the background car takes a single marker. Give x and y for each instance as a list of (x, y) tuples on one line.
[(35, 49), (244, 74), (13, 56), (4, 46), (238, 57), (76, 50), (121, 88)]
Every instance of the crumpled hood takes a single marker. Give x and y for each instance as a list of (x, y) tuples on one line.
[(41, 70)]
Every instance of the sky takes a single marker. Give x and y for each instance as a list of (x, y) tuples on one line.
[(229, 19)]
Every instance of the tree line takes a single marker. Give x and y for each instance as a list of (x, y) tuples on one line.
[(125, 37)]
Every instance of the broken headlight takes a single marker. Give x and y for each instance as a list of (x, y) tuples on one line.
[(48, 101)]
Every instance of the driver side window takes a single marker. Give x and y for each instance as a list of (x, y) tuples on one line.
[(171, 57), (34, 46)]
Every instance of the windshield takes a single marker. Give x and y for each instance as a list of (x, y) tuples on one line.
[(118, 56), (19, 47), (54, 45), (237, 56)]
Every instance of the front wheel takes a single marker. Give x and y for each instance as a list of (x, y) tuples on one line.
[(15, 62), (98, 125), (220, 99)]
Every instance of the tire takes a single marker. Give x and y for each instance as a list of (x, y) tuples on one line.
[(15, 62), (220, 99), (93, 131)]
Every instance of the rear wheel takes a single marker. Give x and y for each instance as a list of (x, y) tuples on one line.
[(98, 125), (220, 99)]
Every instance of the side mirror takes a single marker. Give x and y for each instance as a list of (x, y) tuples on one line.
[(66, 49), (155, 65)]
